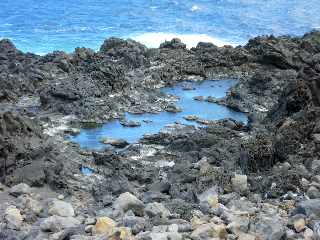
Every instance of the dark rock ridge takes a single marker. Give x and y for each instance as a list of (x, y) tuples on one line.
[(183, 176)]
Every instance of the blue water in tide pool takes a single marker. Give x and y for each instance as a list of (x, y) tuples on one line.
[(42, 26), (90, 138)]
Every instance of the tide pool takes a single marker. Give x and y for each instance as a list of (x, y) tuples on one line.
[(153, 123)]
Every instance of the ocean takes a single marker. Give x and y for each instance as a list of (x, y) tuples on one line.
[(42, 26)]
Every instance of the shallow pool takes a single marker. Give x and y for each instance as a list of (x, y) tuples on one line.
[(153, 123)]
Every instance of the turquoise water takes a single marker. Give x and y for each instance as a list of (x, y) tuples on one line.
[(153, 123), (47, 25)]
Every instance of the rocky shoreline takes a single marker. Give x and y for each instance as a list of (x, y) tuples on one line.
[(182, 183)]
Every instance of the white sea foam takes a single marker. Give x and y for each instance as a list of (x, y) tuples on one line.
[(153, 40), (195, 8)]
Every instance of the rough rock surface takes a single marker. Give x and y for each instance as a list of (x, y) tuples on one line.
[(224, 181)]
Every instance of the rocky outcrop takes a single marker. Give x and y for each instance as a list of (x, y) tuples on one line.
[(223, 181), (26, 154)]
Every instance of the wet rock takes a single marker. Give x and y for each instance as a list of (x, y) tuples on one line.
[(188, 87), (127, 201), (203, 121), (72, 131), (57, 223), (61, 208), (20, 189), (199, 98), (130, 123), (13, 218), (120, 143), (173, 109), (211, 99), (191, 118)]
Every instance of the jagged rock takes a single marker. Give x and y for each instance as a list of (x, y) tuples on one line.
[(278, 86)]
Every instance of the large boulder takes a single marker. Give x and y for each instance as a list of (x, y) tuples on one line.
[(127, 201), (61, 208)]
